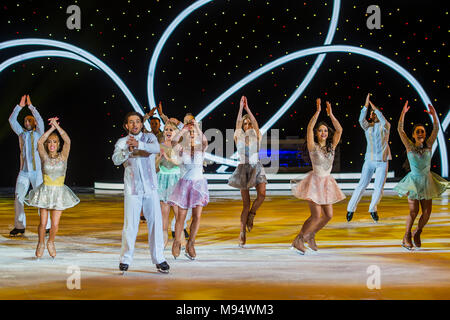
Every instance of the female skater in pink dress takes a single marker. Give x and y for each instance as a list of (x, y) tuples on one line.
[(319, 187)]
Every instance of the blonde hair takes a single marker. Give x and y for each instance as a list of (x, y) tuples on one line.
[(46, 141), (246, 117), (171, 124)]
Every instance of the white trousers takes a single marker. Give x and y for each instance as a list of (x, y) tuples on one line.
[(133, 205), (188, 217), (24, 179), (380, 168)]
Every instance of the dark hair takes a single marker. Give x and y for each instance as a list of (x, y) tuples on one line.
[(329, 141), (414, 128), (128, 115), (155, 118)]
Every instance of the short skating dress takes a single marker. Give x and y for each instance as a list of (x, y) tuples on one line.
[(319, 185), (52, 194), (192, 189), (250, 171), (168, 174), (421, 183)]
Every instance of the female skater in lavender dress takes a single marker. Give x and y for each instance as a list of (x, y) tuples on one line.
[(191, 190), (319, 188)]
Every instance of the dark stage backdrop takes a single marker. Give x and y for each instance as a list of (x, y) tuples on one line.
[(210, 51)]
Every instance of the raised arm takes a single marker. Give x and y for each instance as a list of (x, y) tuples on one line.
[(434, 133), (41, 141), (380, 116), (406, 142), (200, 133), (310, 129), (164, 118), (177, 137), (362, 116), (17, 128), (337, 126), (239, 117), (66, 148), (252, 119), (40, 127), (149, 114)]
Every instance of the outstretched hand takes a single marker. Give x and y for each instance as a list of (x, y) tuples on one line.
[(329, 111), (246, 108), (242, 102), (405, 107), (22, 101), (28, 100), (432, 111), (367, 100), (319, 108), (159, 108), (149, 114), (53, 122)]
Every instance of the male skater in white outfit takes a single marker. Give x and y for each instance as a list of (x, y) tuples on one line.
[(376, 160), (137, 152), (30, 162)]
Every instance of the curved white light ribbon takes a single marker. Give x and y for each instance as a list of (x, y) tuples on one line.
[(43, 53), (83, 53)]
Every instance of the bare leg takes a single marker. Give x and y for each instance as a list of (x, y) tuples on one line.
[(179, 227), (165, 211), (195, 225), (307, 226), (42, 224), (41, 233), (426, 213), (326, 216), (56, 215), (245, 193), (260, 196), (413, 211)]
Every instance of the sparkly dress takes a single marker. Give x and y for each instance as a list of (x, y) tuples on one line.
[(192, 189), (52, 194), (421, 183), (319, 185), (168, 174), (250, 171)]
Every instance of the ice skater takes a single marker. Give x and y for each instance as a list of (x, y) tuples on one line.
[(52, 196), (178, 125), (191, 191), (168, 175), (375, 161), (137, 153), (420, 185), (30, 162), (250, 172), (319, 187)]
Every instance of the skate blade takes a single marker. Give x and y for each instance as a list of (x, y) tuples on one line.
[(188, 256), (298, 251), (407, 248), (163, 271)]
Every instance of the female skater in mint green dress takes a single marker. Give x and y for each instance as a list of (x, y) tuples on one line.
[(420, 185)]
